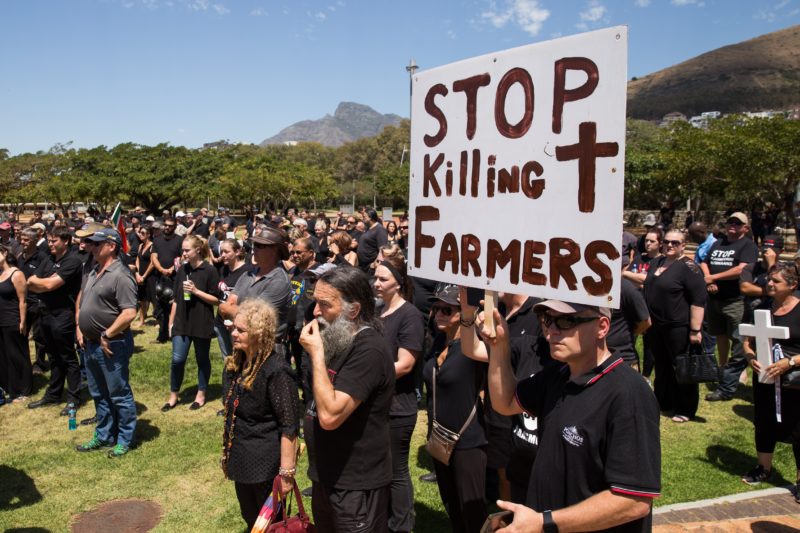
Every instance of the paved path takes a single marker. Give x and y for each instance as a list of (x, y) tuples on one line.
[(764, 511)]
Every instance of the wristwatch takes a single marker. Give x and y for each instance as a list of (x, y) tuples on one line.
[(548, 526), (791, 362)]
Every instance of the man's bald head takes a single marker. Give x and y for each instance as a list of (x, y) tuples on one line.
[(698, 232)]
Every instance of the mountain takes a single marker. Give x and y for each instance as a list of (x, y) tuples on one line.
[(349, 122), (755, 75)]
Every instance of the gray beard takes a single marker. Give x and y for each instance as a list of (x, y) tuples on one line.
[(337, 337)]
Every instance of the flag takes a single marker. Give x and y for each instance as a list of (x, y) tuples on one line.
[(119, 225)]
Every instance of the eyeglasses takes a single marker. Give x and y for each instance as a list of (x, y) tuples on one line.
[(403, 227), (446, 310), (735, 222), (673, 243), (564, 322), (169, 226)]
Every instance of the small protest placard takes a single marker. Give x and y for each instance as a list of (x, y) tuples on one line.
[(517, 166)]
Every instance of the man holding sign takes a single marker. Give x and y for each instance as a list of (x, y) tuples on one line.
[(596, 414)]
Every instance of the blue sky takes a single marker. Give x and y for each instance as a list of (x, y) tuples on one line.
[(192, 71)]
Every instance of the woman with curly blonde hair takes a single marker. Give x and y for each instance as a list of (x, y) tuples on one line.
[(261, 406)]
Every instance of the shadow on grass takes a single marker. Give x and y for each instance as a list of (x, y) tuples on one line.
[(140, 408), (430, 520), (745, 411), (39, 383), (213, 392), (145, 431), (424, 460), (17, 490), (736, 462)]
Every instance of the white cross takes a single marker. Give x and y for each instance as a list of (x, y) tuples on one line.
[(763, 331)]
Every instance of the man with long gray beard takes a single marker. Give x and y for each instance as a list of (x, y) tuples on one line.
[(348, 421)]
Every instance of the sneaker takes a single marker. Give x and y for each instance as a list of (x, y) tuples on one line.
[(717, 396), (756, 475), (93, 444), (117, 451)]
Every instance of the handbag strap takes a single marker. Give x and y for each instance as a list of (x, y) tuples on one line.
[(277, 497), (471, 414)]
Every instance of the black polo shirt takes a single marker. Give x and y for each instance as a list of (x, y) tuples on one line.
[(597, 433), (69, 268), (29, 267), (194, 317)]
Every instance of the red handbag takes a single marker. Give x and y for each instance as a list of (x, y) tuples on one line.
[(290, 524)]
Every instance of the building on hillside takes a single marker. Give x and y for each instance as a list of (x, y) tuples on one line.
[(671, 118)]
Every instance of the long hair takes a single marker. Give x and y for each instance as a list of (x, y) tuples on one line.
[(262, 323), (343, 240), (195, 241)]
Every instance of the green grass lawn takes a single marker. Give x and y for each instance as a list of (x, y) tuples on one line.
[(44, 483)]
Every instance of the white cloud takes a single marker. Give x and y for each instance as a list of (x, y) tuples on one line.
[(681, 3), (594, 11), (451, 34), (642, 3), (220, 9), (199, 5), (771, 14), (259, 12), (527, 14), (320, 16)]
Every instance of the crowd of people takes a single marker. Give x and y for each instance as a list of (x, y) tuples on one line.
[(325, 337)]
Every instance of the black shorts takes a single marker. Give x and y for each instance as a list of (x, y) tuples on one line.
[(346, 511)]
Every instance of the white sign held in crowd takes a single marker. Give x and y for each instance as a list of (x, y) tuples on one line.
[(517, 163), (763, 332)]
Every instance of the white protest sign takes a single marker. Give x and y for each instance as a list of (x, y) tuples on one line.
[(387, 214), (517, 163), (763, 332)]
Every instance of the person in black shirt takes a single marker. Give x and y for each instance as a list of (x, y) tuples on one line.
[(530, 353), (58, 282), (404, 329), (353, 384), (722, 268), (373, 239), (598, 465), (676, 300), (772, 399), (191, 319), (638, 267), (631, 319), (261, 424), (144, 272), (234, 266), (456, 382), (29, 261), (166, 250), (15, 361)]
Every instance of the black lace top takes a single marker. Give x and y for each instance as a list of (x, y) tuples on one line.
[(265, 412)]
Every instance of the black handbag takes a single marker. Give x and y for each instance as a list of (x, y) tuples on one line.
[(696, 366)]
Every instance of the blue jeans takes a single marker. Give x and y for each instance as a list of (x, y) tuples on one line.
[(224, 340), (180, 351), (111, 390)]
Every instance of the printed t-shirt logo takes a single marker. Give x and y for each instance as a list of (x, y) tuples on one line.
[(571, 435)]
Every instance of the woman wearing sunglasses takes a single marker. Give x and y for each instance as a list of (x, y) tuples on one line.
[(675, 294), (781, 286), (459, 381)]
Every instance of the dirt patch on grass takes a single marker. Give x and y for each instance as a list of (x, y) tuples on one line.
[(127, 516)]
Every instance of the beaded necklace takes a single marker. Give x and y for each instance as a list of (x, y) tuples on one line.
[(227, 431)]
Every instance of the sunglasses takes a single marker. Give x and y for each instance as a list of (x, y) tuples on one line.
[(564, 322), (673, 243), (735, 222), (169, 226), (446, 310)]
